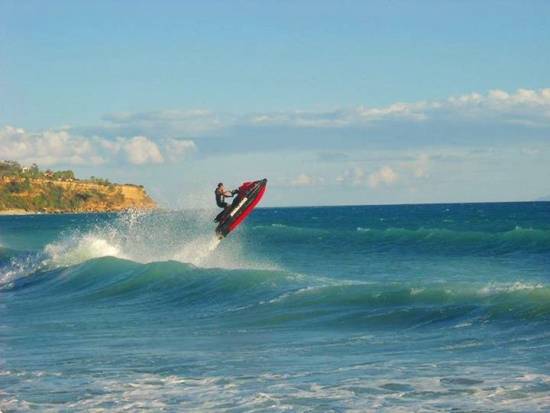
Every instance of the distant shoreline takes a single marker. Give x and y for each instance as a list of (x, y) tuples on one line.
[(18, 212)]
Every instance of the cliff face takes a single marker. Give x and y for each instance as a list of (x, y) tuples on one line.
[(49, 195)]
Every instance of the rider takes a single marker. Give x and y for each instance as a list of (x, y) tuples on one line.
[(222, 193)]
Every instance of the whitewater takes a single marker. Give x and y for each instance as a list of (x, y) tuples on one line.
[(436, 308)]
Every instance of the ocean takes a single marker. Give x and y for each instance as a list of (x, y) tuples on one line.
[(435, 308)]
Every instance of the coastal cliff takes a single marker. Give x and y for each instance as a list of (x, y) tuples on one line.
[(49, 195)]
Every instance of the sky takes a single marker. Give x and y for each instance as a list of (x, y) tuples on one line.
[(336, 103)]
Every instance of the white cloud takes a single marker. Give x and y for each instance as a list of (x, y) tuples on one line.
[(420, 166), (170, 122), (355, 176), (530, 151), (527, 107), (413, 112), (456, 118), (403, 170), (385, 175), (51, 147), (305, 180), (140, 150), (48, 147), (176, 149)]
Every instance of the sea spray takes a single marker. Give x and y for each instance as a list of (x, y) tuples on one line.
[(20, 265), (197, 251), (82, 247), (185, 236)]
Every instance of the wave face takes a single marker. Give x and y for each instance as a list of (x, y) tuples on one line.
[(254, 296), (394, 308)]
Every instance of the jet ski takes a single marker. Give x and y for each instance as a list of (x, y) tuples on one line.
[(248, 196)]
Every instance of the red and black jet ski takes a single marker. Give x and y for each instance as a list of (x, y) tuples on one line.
[(249, 194)]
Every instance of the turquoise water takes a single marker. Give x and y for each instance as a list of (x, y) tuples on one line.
[(372, 308)]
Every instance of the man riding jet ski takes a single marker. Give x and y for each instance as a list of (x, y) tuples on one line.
[(248, 196)]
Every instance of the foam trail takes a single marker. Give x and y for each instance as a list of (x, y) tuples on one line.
[(198, 251)]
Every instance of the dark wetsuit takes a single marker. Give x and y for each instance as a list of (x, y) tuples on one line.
[(220, 199)]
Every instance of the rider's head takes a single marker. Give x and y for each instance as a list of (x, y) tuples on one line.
[(220, 184)]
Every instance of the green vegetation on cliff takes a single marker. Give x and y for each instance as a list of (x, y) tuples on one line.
[(33, 190), (14, 169)]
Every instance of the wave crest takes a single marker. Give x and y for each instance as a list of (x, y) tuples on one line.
[(273, 297)]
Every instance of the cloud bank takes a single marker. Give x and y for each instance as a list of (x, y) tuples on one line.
[(51, 147), (525, 107), (304, 180), (168, 136), (385, 175)]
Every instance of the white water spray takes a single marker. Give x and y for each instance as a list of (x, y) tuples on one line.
[(197, 251), (185, 236)]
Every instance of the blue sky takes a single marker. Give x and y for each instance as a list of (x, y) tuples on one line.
[(334, 102)]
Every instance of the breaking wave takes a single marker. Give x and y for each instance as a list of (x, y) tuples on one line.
[(158, 260), (135, 236), (270, 297)]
